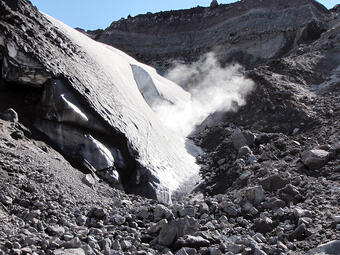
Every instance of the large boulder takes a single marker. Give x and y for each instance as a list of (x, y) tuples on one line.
[(177, 228), (273, 182), (242, 138), (315, 159), (330, 248)]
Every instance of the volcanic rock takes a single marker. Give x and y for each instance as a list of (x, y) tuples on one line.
[(315, 159), (273, 182), (264, 225), (242, 32), (331, 248), (78, 251), (175, 229), (241, 139), (192, 241), (255, 195)]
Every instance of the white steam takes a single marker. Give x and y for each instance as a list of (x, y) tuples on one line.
[(213, 88)]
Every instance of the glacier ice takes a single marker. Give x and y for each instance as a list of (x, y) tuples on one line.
[(112, 94)]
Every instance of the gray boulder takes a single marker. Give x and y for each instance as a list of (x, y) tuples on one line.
[(73, 244), (230, 209), (192, 242), (264, 225), (315, 159), (89, 180), (161, 212), (242, 138), (255, 195), (175, 229), (244, 151), (330, 248), (273, 182), (157, 226), (78, 251)]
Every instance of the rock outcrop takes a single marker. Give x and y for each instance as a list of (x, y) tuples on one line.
[(248, 32)]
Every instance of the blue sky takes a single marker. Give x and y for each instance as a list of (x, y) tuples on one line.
[(90, 14)]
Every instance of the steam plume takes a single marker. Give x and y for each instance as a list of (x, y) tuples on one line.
[(212, 87)]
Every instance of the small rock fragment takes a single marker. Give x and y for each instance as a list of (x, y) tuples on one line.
[(89, 180)]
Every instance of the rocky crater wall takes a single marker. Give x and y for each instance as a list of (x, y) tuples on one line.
[(247, 32)]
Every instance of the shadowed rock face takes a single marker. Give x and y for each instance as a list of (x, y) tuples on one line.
[(248, 32), (94, 101)]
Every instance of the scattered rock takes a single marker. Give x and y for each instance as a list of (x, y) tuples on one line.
[(236, 248), (274, 203), (120, 220), (336, 218), (55, 230), (244, 151), (298, 213), (230, 209), (299, 233), (291, 194), (125, 245)]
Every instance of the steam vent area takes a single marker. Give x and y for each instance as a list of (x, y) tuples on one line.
[(211, 130)]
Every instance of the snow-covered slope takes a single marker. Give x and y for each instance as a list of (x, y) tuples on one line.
[(124, 90), (96, 103)]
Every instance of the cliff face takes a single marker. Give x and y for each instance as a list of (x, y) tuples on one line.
[(247, 32)]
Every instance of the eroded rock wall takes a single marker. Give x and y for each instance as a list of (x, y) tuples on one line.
[(247, 32)]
